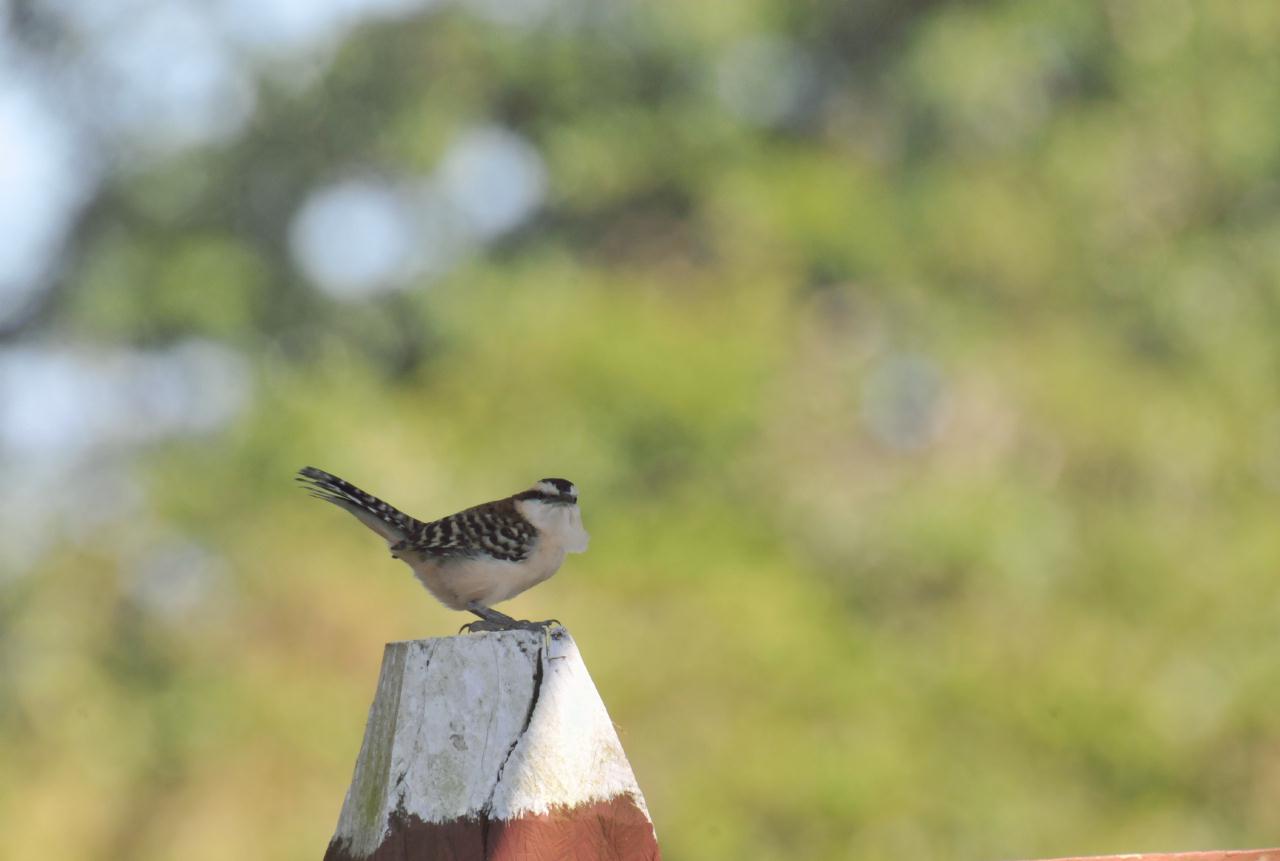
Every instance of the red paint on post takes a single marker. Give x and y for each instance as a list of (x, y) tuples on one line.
[(1228, 855), (614, 830)]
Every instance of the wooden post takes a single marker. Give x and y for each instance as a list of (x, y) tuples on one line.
[(491, 746)]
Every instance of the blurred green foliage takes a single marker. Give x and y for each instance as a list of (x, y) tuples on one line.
[(921, 386)]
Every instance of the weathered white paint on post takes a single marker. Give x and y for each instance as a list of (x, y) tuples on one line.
[(491, 746)]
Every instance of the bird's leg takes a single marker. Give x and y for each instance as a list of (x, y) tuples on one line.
[(492, 620), (490, 615)]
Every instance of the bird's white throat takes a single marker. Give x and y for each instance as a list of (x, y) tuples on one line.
[(561, 524)]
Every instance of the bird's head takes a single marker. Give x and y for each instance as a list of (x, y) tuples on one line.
[(551, 505), (554, 491)]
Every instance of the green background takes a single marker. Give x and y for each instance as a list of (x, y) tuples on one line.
[(917, 364)]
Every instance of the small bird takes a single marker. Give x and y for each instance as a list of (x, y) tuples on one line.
[(481, 555)]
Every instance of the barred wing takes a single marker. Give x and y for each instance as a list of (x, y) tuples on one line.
[(494, 529)]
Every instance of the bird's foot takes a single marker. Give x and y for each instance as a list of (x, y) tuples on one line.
[(543, 626), (492, 620), (481, 626)]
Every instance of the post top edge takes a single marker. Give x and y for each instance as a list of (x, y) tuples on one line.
[(557, 632)]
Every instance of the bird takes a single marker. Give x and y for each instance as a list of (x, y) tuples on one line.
[(479, 556)]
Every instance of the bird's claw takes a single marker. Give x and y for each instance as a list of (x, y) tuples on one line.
[(480, 626)]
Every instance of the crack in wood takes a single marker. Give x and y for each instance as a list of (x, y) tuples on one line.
[(528, 719)]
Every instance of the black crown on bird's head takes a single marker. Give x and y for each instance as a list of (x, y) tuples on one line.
[(556, 490)]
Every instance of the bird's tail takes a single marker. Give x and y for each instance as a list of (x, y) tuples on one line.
[(386, 520)]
